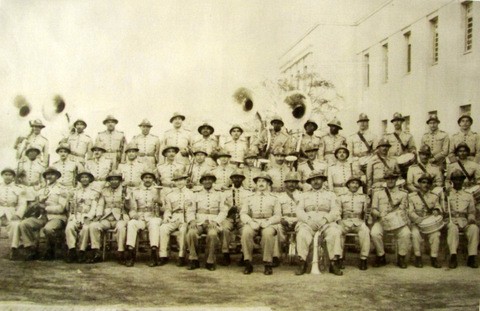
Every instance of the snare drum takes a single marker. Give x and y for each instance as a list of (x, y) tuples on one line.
[(431, 224), (394, 220), (475, 191), (405, 160)]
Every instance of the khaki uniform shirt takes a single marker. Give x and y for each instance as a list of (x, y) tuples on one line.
[(198, 170), (69, 170), (261, 207), (111, 205), (278, 139), (278, 174), (207, 205), (144, 203), (339, 173), (318, 204), (472, 168), (149, 148), (84, 204), (289, 205), (114, 142), (462, 207), (439, 144), (376, 170), (397, 149), (33, 171), (56, 203), (329, 144), (353, 206), (132, 172), (381, 205), (237, 149), (12, 200), (472, 139), (80, 145), (223, 176), (416, 207), (177, 203), (99, 169), (209, 144), (37, 140), (250, 173), (414, 172), (166, 170), (356, 146)]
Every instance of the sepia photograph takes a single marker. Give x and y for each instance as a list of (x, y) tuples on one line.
[(237, 155)]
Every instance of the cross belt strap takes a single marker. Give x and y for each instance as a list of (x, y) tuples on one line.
[(422, 167), (424, 202), (404, 147), (470, 178), (390, 201), (362, 138)]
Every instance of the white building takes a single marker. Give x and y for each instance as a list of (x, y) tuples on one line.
[(411, 56)]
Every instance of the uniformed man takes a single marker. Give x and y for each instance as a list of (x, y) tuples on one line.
[(331, 141), (99, 166), (277, 137), (385, 201), (236, 144), (198, 167), (144, 213), (341, 171), (67, 168), (178, 137), (422, 204), (461, 218), (111, 213), (355, 209), (133, 167), (177, 202), (169, 167), (466, 136), (205, 215), (79, 142), (438, 142), (363, 143), (289, 200), (400, 141), (112, 140), (312, 164), (34, 138), (278, 170), (30, 170), (469, 168), (260, 213), (379, 165), (223, 171), (423, 166), (250, 170), (148, 145), (309, 138), (233, 202), (13, 203), (319, 209), (206, 141), (48, 214), (83, 207)]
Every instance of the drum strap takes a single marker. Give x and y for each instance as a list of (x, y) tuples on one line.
[(362, 138), (383, 161), (310, 165), (389, 195), (404, 147), (420, 165), (291, 197), (464, 170), (351, 169), (423, 201)]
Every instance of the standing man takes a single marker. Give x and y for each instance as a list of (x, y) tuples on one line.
[(223, 171), (469, 168), (379, 165), (332, 141), (48, 213), (67, 168), (278, 170), (34, 138), (341, 171), (270, 139), (197, 168), (113, 141), (438, 142), (99, 166), (362, 144), (177, 202), (13, 203), (110, 214), (422, 204), (205, 215), (400, 141), (260, 213), (318, 209), (178, 137), (384, 202), (462, 218), (132, 168), (309, 138), (79, 142), (466, 136), (236, 145), (30, 171), (83, 207), (148, 145), (144, 213), (206, 141), (423, 166), (312, 164), (250, 170), (169, 167)]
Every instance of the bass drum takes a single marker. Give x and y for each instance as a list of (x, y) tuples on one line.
[(475, 191)]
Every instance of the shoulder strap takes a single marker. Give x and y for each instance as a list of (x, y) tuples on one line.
[(310, 165), (291, 197), (464, 170), (423, 201), (383, 161), (404, 147), (389, 195), (362, 138), (424, 169)]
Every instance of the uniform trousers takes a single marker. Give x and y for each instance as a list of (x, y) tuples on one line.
[(267, 241), (363, 237), (153, 225), (333, 236), (77, 231), (168, 228), (282, 233), (471, 231), (211, 243), (403, 236), (96, 229), (228, 235), (28, 227), (433, 241)]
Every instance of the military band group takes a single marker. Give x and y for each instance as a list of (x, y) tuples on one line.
[(272, 189)]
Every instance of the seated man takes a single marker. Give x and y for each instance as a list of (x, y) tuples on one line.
[(260, 213), (223, 171), (422, 204), (341, 171), (385, 201), (462, 217), (99, 166), (250, 171), (197, 168), (83, 207), (205, 215), (354, 207), (177, 202), (144, 213), (318, 210), (48, 213), (110, 214), (288, 204), (278, 170), (423, 167), (12, 208)]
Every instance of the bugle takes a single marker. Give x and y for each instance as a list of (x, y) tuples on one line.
[(315, 268)]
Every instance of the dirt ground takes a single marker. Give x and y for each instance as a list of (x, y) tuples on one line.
[(109, 285)]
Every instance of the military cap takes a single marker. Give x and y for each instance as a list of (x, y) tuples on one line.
[(8, 170), (316, 174), (200, 150), (98, 146), (237, 172), (354, 178), (85, 173), (250, 154), (79, 121), (223, 153), (145, 122), (425, 176), (110, 118), (177, 115), (206, 125), (63, 146), (311, 147), (147, 173), (463, 116), (263, 175), (363, 117), (33, 147), (208, 175), (310, 121), (51, 170), (433, 117), (425, 149), (131, 146), (292, 176), (391, 175), (335, 122), (384, 142), (179, 174), (114, 174), (166, 148), (236, 126), (342, 147), (397, 116), (277, 118), (36, 123), (462, 145), (457, 175)]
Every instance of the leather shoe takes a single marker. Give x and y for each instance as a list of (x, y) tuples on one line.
[(226, 260), (248, 267), (401, 262), (341, 263), (418, 262), (13, 254), (121, 257), (210, 266), (472, 262), (71, 255), (181, 262), (335, 268), (81, 257), (435, 263), (32, 254), (380, 261), (275, 262), (363, 264), (194, 264), (453, 261), (163, 261), (301, 267), (153, 257), (268, 270)]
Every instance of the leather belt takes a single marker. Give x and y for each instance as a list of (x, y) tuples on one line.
[(339, 184), (142, 154)]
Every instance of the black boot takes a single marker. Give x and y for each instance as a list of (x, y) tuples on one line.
[(49, 253), (153, 257), (163, 261), (472, 262), (380, 261), (268, 269), (341, 263), (13, 254), (276, 262), (194, 264), (130, 256), (435, 263), (31, 253), (121, 257), (335, 268), (241, 262), (81, 257), (71, 255), (401, 262), (362, 264), (210, 266), (182, 262), (453, 261), (248, 267), (226, 260), (97, 257), (301, 267), (418, 262)]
